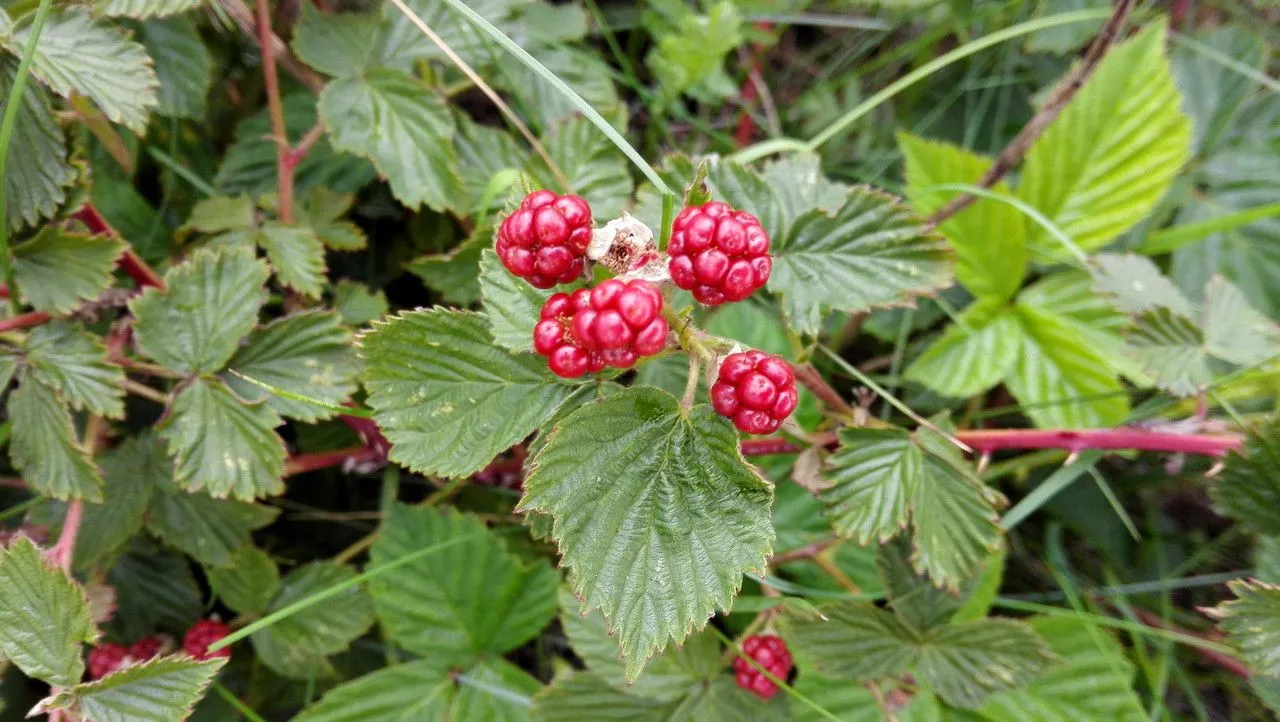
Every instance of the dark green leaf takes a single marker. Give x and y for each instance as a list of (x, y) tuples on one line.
[(159, 591), (1252, 623), (183, 64), (1248, 489), (248, 583), (643, 491), (297, 646), (449, 400), (308, 354), (74, 363), (511, 305), (56, 269), (44, 447), (44, 616), (161, 690), (296, 255), (132, 471), (207, 529), (35, 179)]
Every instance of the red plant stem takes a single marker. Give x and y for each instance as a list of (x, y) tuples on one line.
[(131, 263), (301, 463), (294, 157), (1213, 657), (61, 552), (369, 433), (26, 320), (747, 123), (276, 110), (986, 440)]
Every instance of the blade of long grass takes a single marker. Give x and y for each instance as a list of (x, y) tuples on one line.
[(1114, 501), (245, 710), (1113, 623), (356, 411), (7, 125), (577, 100), (1168, 240), (943, 61), (1152, 586), (1049, 226), (1049, 488), (1227, 61), (330, 592), (182, 171), (494, 690)]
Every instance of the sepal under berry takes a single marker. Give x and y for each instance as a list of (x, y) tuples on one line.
[(545, 240), (719, 253)]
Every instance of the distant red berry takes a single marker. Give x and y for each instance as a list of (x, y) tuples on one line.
[(105, 659), (203, 633), (718, 253), (145, 648), (755, 390), (613, 324), (545, 240), (769, 652)]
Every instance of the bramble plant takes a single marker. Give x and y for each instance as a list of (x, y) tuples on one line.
[(518, 360)]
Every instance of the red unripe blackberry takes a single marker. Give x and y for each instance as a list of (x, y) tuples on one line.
[(545, 240), (203, 633), (718, 253), (145, 648), (613, 324), (769, 652), (105, 659), (755, 390)]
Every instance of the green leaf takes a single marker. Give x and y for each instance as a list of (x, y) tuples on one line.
[(911, 596), (449, 400), (425, 690), (1234, 331), (1134, 284), (593, 165), (323, 211), (990, 237), (973, 354), (963, 662), (211, 302), (511, 305), (56, 269), (35, 180), (250, 163), (476, 601), (296, 646), (145, 8), (131, 471), (1248, 489), (1252, 623), (249, 583), (163, 689), (1112, 152), (485, 154), (207, 529), (1212, 91), (882, 477), (871, 252), (297, 255), (582, 69), (44, 447), (1171, 348), (643, 491), (158, 589), (382, 112), (403, 44), (44, 616), (690, 56), (223, 445), (337, 43), (98, 60), (668, 677), (754, 325), (454, 274), (1065, 375), (307, 354), (1094, 682), (74, 363), (357, 304), (582, 695), (183, 65), (222, 213)]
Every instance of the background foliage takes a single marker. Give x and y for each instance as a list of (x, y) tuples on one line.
[(259, 361)]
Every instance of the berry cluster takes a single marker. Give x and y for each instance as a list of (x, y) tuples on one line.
[(203, 633), (613, 324), (769, 652), (107, 658), (545, 240), (718, 253), (757, 391)]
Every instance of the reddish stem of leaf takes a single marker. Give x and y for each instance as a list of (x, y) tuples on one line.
[(26, 320), (369, 433), (747, 123), (61, 552), (131, 263), (301, 463), (986, 440), (275, 108), (1213, 657)]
